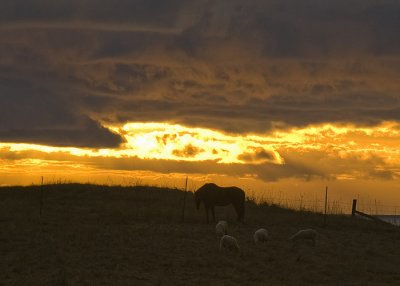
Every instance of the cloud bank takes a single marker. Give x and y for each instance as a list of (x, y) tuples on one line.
[(68, 68)]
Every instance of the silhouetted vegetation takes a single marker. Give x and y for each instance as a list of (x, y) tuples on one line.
[(100, 235)]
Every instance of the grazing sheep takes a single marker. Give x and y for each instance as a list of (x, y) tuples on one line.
[(305, 234), (221, 228), (229, 243), (261, 236)]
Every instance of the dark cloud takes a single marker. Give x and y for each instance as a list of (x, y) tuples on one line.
[(259, 155), (89, 134), (33, 114), (317, 164), (189, 151), (381, 174), (229, 65), (162, 12)]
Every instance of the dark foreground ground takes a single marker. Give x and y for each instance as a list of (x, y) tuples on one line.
[(95, 235)]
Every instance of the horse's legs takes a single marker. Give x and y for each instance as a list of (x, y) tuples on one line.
[(241, 207), (239, 211)]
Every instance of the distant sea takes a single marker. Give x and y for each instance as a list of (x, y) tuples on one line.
[(393, 219)]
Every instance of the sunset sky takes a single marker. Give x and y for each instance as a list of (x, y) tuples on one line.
[(273, 96)]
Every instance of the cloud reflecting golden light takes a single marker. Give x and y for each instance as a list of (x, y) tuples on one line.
[(342, 152), (170, 142), (176, 142)]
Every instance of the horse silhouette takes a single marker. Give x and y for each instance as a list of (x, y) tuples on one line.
[(212, 195)]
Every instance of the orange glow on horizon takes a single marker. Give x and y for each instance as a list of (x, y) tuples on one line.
[(172, 142)]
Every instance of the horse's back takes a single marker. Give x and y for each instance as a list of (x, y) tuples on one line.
[(236, 191), (217, 195), (212, 195)]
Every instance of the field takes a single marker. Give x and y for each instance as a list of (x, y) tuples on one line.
[(99, 235)]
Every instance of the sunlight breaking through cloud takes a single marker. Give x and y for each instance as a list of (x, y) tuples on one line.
[(341, 152), (163, 141), (176, 142)]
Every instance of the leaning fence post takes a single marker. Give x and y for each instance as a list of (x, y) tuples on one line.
[(354, 207)]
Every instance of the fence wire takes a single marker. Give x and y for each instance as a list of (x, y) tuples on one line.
[(333, 206)]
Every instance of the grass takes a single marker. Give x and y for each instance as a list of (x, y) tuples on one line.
[(101, 235)]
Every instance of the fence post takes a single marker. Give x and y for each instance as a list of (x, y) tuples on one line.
[(354, 207), (326, 204), (41, 199), (184, 201)]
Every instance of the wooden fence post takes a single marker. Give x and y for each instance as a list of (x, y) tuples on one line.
[(326, 204), (354, 212), (184, 201), (354, 207), (41, 199)]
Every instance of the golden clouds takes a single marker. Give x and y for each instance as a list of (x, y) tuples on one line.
[(164, 141), (176, 142), (331, 151)]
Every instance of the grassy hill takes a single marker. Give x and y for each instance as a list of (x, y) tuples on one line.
[(99, 235)]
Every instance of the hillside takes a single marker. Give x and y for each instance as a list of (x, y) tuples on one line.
[(99, 235)]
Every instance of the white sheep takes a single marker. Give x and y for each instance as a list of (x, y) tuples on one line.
[(261, 236), (305, 234), (229, 243), (221, 228)]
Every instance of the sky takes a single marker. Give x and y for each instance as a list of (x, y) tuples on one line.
[(273, 96)]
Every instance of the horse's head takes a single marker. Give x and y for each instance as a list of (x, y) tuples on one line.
[(197, 200)]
